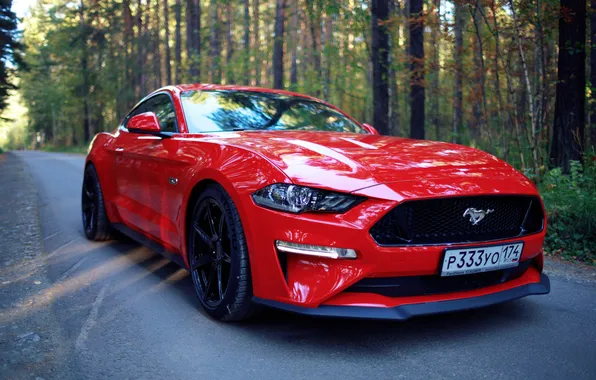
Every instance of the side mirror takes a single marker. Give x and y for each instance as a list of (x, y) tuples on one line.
[(370, 129), (145, 122)]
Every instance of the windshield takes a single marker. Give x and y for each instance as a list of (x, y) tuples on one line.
[(216, 111)]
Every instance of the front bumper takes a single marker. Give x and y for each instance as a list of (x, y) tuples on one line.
[(404, 312)]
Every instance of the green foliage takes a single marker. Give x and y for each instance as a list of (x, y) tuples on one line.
[(570, 201), (1, 151)]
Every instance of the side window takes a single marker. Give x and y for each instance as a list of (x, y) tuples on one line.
[(163, 107)]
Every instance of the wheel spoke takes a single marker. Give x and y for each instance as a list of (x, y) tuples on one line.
[(227, 258), (202, 261), (210, 220), (210, 280), (204, 237), (219, 281)]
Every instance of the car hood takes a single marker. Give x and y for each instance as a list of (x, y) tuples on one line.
[(349, 162)]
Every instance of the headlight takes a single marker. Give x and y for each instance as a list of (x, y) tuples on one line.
[(297, 199)]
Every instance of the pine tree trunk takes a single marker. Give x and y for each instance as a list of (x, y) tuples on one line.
[(416, 56), (246, 41), (592, 140), (230, 44), (435, 38), (145, 51), (380, 61), (257, 44), (157, 49), (193, 38), (294, 38), (458, 97), (139, 44), (166, 26), (278, 46), (215, 73), (568, 130), (178, 44), (314, 19), (85, 71)]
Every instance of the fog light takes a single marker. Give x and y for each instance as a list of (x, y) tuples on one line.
[(315, 250)]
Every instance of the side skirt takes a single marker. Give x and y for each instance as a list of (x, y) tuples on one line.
[(150, 243)]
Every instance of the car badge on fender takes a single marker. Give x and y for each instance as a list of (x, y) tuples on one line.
[(476, 215)]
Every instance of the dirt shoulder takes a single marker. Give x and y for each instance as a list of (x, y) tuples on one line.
[(30, 344)]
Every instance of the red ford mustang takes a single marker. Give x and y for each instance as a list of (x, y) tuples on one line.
[(274, 198)]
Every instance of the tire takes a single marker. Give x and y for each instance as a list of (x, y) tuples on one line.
[(96, 224), (218, 257)]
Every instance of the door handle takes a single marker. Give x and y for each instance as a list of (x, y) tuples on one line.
[(119, 149)]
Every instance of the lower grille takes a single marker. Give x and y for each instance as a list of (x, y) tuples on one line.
[(435, 284), (447, 220)]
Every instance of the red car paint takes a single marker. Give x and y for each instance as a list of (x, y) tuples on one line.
[(134, 170)]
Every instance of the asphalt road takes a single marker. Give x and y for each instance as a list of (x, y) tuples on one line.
[(124, 312)]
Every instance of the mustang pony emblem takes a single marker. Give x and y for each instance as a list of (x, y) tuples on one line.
[(476, 215)]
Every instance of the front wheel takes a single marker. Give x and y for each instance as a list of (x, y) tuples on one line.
[(95, 221), (218, 257)]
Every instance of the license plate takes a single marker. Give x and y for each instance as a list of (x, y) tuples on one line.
[(481, 259)]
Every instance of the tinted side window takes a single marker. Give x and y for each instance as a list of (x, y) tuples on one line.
[(163, 107)]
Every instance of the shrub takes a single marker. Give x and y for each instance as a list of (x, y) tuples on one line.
[(570, 202)]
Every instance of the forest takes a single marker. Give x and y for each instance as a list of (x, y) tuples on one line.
[(511, 77)]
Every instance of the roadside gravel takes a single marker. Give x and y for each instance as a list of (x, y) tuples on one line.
[(29, 336)]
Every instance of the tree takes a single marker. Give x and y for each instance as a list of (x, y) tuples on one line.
[(166, 26), (568, 129), (193, 38), (592, 140), (10, 49), (278, 45), (246, 42), (380, 63), (458, 95), (178, 43), (416, 56), (214, 42)]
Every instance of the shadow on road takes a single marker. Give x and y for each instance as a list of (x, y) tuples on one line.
[(321, 333)]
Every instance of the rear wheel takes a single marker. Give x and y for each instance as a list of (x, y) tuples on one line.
[(95, 221), (218, 257)]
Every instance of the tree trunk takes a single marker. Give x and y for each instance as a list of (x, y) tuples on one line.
[(502, 113), (314, 18), (458, 96), (215, 74), (145, 51), (294, 38), (479, 97), (85, 71), (139, 57), (532, 109), (435, 38), (246, 41), (380, 61), (178, 44), (592, 140), (230, 44), (416, 56), (327, 46), (568, 129), (157, 48), (166, 25), (193, 38), (278, 46), (257, 44)]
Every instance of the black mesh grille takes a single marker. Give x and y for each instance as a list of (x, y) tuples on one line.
[(435, 284), (441, 221)]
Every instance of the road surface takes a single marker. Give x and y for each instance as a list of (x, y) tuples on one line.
[(122, 311)]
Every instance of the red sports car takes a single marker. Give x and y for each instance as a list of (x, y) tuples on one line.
[(274, 198)]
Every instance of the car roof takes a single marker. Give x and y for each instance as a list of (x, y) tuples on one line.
[(215, 87)]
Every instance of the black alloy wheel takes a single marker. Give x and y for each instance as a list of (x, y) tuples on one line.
[(218, 257), (96, 224)]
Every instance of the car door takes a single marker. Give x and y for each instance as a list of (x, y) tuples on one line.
[(148, 174)]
